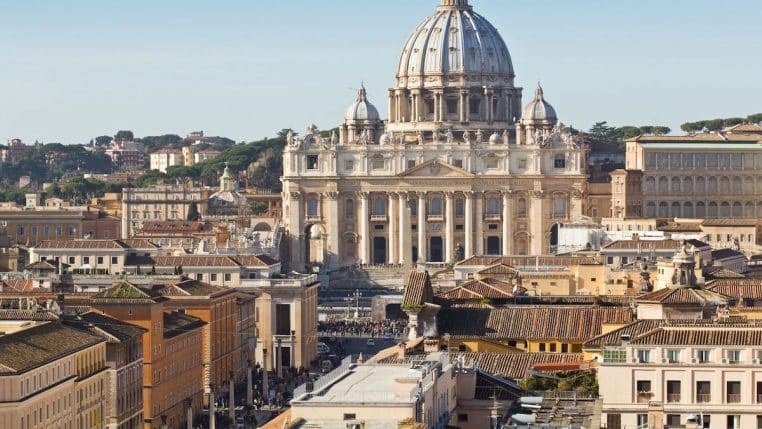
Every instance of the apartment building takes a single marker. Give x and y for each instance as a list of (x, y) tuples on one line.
[(51, 375), (94, 256), (702, 371), (158, 203), (218, 270), (162, 159)]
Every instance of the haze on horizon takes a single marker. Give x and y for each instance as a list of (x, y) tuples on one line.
[(76, 70)]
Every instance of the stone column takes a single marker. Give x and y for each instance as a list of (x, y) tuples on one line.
[(296, 230), (468, 107), (212, 408), (507, 224), (249, 383), (404, 251), (231, 405), (469, 225), (391, 212), (463, 106), (364, 228), (390, 105), (479, 224), (449, 228), (265, 376), (334, 234), (422, 253), (188, 414), (279, 358), (575, 205), (488, 104), (536, 219)]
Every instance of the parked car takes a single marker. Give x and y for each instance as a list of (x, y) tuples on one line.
[(322, 348), (371, 342)]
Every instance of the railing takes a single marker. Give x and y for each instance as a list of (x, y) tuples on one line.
[(325, 380), (492, 216), (673, 397), (378, 218), (703, 398), (733, 398), (435, 218)]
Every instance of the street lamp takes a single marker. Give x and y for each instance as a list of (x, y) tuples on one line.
[(357, 296)]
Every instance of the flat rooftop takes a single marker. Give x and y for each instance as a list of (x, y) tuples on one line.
[(392, 384)]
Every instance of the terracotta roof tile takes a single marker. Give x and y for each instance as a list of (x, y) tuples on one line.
[(643, 244), (684, 295), (514, 366), (739, 288), (417, 289), (519, 261)]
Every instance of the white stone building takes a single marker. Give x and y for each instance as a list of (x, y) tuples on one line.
[(165, 158), (457, 169)]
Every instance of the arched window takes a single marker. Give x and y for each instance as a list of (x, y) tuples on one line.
[(676, 185), (724, 185), (650, 209), (663, 209), (459, 208), (724, 209), (737, 210), (675, 210), (748, 211), (700, 185), (521, 208), (413, 207), (711, 185), (737, 185), (688, 210), (663, 185), (711, 210), (349, 209), (650, 185), (688, 185), (312, 206), (559, 207), (436, 206), (379, 206), (700, 210), (521, 246), (493, 207)]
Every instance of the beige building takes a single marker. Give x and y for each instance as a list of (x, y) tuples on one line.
[(165, 158), (92, 256), (709, 175), (51, 375), (162, 202), (670, 374), (458, 168)]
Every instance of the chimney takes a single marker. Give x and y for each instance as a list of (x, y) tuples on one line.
[(625, 339)]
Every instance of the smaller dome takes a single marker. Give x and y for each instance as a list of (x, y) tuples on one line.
[(539, 110), (362, 109), (495, 139)]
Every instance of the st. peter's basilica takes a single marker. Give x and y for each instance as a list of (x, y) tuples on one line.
[(458, 168)]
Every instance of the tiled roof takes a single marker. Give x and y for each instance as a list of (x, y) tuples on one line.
[(96, 244), (114, 328), (481, 289), (33, 315), (745, 128), (643, 244), (680, 227), (739, 288), (138, 243), (700, 138), (123, 291), (499, 269), (718, 272), (726, 253), (417, 289), (176, 226), (574, 323), (197, 288), (685, 296), (518, 261), (41, 265), (17, 285), (514, 366), (38, 345), (254, 260), (182, 261), (719, 335), (177, 324), (730, 222), (614, 337)]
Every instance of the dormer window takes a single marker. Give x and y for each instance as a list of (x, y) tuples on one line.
[(559, 162), (312, 162)]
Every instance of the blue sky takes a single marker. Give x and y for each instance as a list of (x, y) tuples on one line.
[(245, 69)]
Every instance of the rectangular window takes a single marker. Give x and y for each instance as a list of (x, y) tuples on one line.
[(462, 417), (350, 416), (312, 162), (72, 260), (349, 165), (644, 356), (673, 391), (199, 277), (492, 163), (410, 163), (542, 347), (704, 356), (114, 260), (673, 420), (734, 356), (85, 260), (457, 163), (227, 277), (452, 106), (553, 347), (100, 260), (213, 277), (377, 163), (733, 389), (59, 231), (703, 391), (615, 355), (559, 162), (522, 164), (643, 388), (673, 356)]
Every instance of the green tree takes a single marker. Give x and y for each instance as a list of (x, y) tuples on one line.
[(193, 214), (258, 207), (714, 124), (103, 140), (729, 122), (755, 118), (661, 130), (124, 135)]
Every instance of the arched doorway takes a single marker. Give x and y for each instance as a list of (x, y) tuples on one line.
[(554, 235), (262, 227)]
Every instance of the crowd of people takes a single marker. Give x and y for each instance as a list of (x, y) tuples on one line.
[(362, 328)]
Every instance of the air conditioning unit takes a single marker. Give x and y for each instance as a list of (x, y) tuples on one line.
[(694, 360), (755, 361), (665, 360), (724, 360)]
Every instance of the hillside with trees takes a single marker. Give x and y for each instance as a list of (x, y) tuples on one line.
[(718, 124)]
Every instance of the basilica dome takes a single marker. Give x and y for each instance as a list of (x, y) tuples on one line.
[(361, 109), (539, 110), (452, 43)]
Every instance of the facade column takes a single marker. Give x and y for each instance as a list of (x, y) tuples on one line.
[(364, 228), (449, 228), (507, 224), (479, 224), (296, 230), (404, 252), (334, 233), (231, 405), (249, 383), (575, 205), (468, 107), (392, 224), (463, 106), (536, 220), (469, 226), (423, 254), (390, 105)]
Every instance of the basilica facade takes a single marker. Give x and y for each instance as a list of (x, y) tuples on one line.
[(458, 169)]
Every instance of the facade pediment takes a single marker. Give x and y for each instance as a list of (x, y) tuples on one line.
[(435, 168)]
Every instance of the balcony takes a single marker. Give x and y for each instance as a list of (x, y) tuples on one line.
[(378, 218), (644, 397), (733, 398), (703, 398), (492, 216), (673, 398), (435, 218)]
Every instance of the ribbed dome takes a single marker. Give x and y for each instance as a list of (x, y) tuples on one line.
[(455, 41), (361, 109), (538, 109)]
